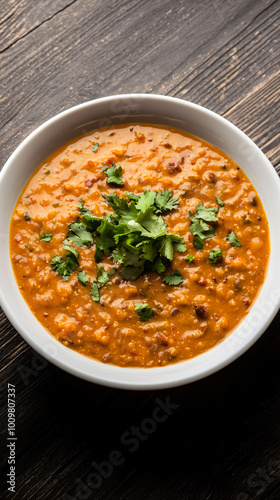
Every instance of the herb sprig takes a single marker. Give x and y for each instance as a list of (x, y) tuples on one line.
[(232, 238), (66, 266), (199, 227), (144, 311), (114, 174), (135, 234)]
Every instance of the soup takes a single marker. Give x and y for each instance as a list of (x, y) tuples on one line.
[(139, 245)]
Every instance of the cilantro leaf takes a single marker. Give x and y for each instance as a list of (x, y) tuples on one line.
[(132, 196), (178, 242), (206, 214), (132, 273), (166, 248), (164, 203), (132, 259), (102, 276), (114, 174), (180, 247), (161, 201), (215, 255), (95, 146), (201, 231), (94, 291), (68, 247), (149, 250), (173, 279), (189, 258), (81, 205), (219, 201), (83, 278), (116, 202), (91, 222), (112, 271), (144, 311), (145, 201), (79, 235), (198, 242), (65, 267), (105, 241), (56, 262), (150, 225), (83, 209), (232, 238), (199, 228), (158, 266), (118, 255), (46, 237)]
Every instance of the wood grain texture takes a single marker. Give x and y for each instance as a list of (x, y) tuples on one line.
[(222, 441), (21, 17)]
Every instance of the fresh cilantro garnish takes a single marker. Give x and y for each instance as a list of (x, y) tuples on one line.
[(83, 278), (56, 263), (132, 196), (65, 267), (166, 248), (102, 276), (232, 238), (144, 311), (79, 235), (180, 247), (198, 242), (95, 146), (173, 279), (201, 231), (101, 280), (89, 220), (132, 273), (137, 237), (70, 249), (46, 237), (105, 241), (148, 224), (199, 228), (114, 174), (161, 202), (189, 258), (206, 214), (81, 207), (164, 203), (215, 255), (112, 271), (219, 201), (145, 201), (134, 235), (94, 291)]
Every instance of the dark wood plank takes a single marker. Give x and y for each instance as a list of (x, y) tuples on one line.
[(21, 17), (223, 439), (135, 56), (263, 100)]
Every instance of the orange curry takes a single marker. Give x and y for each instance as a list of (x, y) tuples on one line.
[(169, 245)]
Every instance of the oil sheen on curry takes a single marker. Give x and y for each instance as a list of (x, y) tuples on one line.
[(139, 245)]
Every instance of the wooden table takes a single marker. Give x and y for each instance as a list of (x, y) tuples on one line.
[(217, 438)]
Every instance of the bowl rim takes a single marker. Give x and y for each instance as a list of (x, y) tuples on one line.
[(112, 375)]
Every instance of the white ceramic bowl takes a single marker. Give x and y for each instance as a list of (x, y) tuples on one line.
[(158, 110)]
